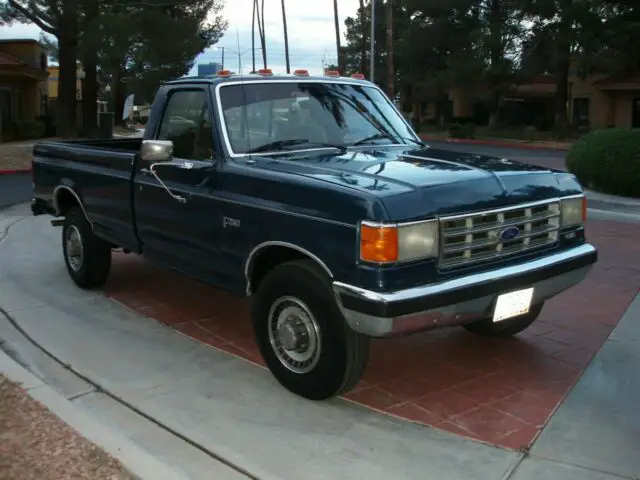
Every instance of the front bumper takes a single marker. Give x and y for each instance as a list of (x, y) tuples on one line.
[(461, 300)]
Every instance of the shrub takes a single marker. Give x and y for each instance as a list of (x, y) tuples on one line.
[(459, 130), (608, 161)]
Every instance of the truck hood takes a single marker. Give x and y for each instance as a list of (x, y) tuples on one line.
[(417, 183)]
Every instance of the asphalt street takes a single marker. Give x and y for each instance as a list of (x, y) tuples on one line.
[(14, 189), (508, 152)]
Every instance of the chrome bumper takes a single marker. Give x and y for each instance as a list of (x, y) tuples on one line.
[(461, 300)]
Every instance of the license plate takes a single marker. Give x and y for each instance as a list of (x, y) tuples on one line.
[(512, 304)]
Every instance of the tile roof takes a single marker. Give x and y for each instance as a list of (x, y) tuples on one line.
[(6, 59)]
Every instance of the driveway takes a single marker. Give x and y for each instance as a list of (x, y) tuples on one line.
[(429, 405), (15, 188)]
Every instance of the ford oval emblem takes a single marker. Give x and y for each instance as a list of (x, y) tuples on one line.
[(509, 233)]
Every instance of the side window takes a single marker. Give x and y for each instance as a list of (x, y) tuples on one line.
[(187, 123)]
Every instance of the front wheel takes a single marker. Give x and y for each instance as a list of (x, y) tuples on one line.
[(88, 257), (302, 335), (505, 328)]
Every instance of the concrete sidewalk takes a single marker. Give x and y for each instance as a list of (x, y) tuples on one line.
[(233, 410)]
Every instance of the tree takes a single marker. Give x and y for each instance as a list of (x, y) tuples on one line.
[(336, 19), (121, 43), (286, 36), (138, 63), (391, 73), (573, 26), (363, 39), (261, 31), (253, 34)]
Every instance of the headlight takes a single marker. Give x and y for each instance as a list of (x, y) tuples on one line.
[(573, 211), (381, 243)]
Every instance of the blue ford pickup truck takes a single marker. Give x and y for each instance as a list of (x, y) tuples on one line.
[(314, 197)]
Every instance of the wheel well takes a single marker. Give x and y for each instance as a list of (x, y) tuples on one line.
[(65, 201), (267, 259)]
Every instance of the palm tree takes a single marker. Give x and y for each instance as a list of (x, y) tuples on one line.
[(286, 36), (390, 67), (253, 34), (263, 40), (336, 19), (363, 44), (258, 17)]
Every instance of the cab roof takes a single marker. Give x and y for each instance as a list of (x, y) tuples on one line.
[(215, 80)]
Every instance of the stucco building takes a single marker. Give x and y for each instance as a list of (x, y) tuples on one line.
[(23, 81)]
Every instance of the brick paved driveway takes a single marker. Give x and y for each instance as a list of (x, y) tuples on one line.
[(497, 391)]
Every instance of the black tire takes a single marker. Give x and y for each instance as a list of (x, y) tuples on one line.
[(90, 269), (506, 328), (343, 353)]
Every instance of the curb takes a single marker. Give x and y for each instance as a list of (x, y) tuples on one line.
[(495, 143), (16, 171), (139, 462)]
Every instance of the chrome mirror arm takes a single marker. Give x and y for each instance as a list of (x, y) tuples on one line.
[(151, 171)]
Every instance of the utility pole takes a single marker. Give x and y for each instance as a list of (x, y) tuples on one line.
[(390, 67), (373, 41)]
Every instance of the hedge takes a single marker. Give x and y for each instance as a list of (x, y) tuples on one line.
[(608, 161)]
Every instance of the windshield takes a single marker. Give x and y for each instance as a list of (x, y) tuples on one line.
[(299, 115)]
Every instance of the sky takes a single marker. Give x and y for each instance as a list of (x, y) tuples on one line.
[(310, 25)]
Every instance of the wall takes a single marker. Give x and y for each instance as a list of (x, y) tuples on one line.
[(26, 90), (54, 78), (26, 99)]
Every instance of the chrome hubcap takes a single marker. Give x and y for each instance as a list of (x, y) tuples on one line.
[(294, 335), (74, 248)]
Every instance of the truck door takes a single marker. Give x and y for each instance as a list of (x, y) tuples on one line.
[(175, 215)]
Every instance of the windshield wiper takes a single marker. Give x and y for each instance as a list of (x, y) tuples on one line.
[(383, 135), (292, 143), (375, 136)]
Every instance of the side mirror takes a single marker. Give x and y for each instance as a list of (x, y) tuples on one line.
[(154, 151)]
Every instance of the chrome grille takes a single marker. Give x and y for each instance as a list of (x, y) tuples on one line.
[(484, 235)]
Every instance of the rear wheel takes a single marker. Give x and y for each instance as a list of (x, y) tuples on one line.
[(505, 328), (303, 337), (88, 258)]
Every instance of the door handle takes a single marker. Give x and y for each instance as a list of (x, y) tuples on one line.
[(151, 171)]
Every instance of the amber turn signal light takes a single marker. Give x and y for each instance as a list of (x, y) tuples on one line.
[(378, 244)]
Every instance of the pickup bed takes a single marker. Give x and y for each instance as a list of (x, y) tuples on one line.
[(313, 196)]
